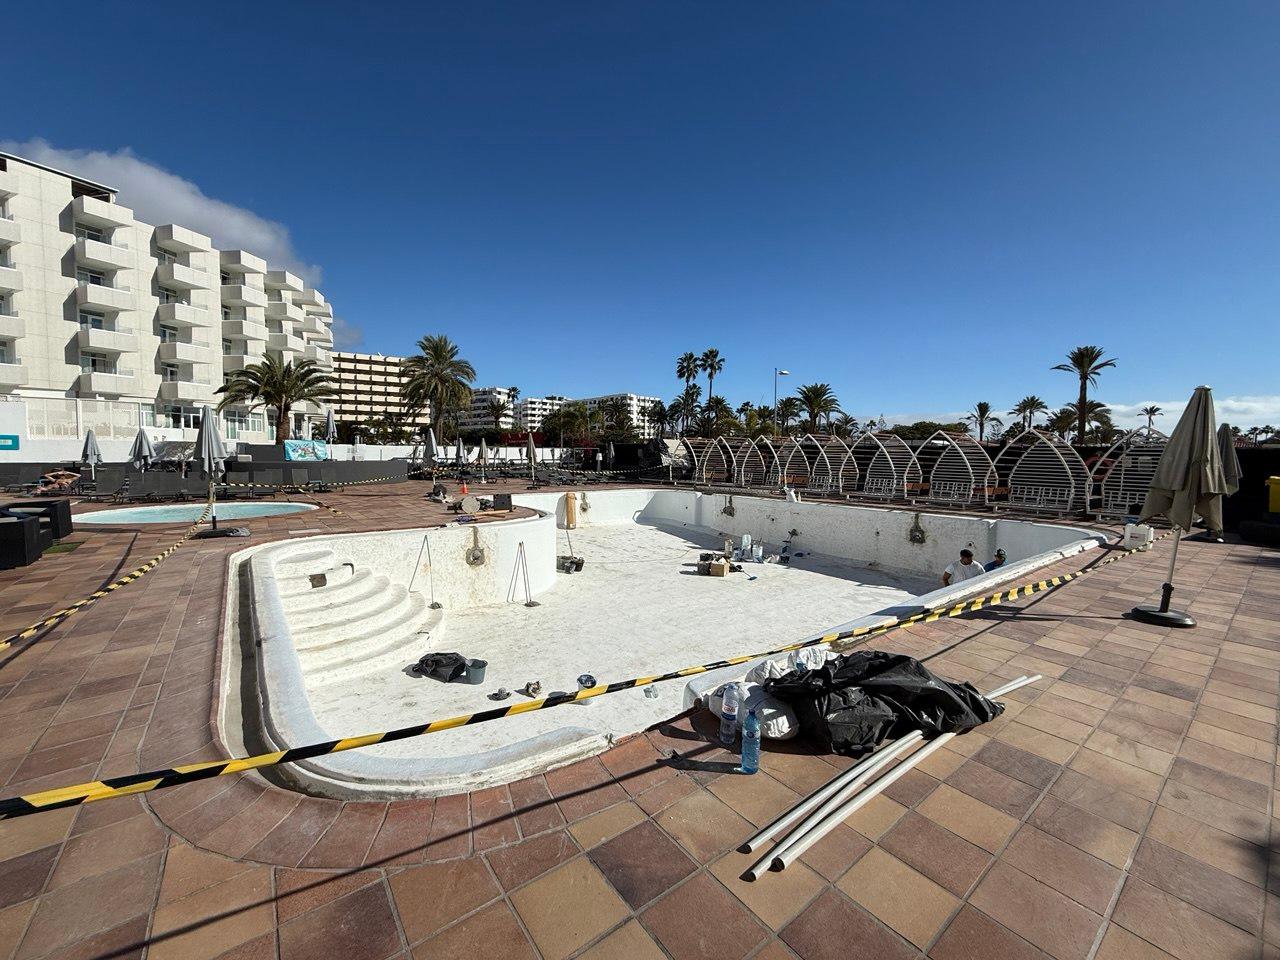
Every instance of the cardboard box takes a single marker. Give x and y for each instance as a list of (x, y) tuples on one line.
[(719, 568)]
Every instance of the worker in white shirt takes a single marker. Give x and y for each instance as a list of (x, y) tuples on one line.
[(962, 569)]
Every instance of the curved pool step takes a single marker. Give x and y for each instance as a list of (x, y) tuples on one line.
[(288, 565), (387, 609), (357, 596), (390, 649), (302, 584)]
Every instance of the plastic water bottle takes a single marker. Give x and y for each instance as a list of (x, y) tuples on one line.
[(729, 715), (751, 742)]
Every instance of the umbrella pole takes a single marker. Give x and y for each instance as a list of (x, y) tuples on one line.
[(1162, 616), (213, 504)]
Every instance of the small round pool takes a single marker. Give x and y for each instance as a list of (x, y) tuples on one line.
[(188, 513)]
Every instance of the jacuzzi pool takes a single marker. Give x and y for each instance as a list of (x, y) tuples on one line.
[(188, 513), (334, 623)]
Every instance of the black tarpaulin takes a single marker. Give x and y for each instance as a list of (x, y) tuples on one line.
[(851, 703)]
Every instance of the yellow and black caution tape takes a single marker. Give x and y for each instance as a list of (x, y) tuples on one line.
[(57, 617), (187, 773)]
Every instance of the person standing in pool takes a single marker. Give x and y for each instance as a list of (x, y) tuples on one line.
[(962, 569), (998, 562)]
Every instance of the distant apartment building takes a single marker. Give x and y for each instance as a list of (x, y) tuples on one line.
[(109, 323), (637, 407), (531, 411), (478, 417), (371, 386)]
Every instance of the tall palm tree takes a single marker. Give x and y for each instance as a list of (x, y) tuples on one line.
[(497, 410), (437, 375), (1097, 420), (1028, 408), (1062, 420), (679, 413), (818, 401), (273, 383), (1151, 413), (844, 426), (616, 413), (788, 409), (982, 417), (1086, 363), (691, 395), (687, 367), (658, 417), (711, 363)]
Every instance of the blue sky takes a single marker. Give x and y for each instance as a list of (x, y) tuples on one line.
[(924, 205)]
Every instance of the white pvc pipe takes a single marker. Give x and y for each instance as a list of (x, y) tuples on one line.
[(840, 787), (815, 828), (827, 789)]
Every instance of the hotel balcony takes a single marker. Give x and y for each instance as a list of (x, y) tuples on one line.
[(102, 255), (279, 310), (12, 375), (95, 381), (322, 310), (231, 362), (185, 391), (106, 341), (10, 279), (313, 325), (100, 213), (183, 315), (241, 295), (10, 231), (285, 343), (8, 183), (173, 237), (244, 330), (12, 326), (178, 276), (309, 298), (97, 296), (176, 351), (284, 280), (238, 261), (318, 354)]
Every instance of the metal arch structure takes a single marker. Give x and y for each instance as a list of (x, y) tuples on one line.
[(887, 468), (741, 448), (850, 476), (955, 468), (1041, 472), (718, 465), (1122, 475), (791, 459), (759, 465), (695, 448), (807, 467), (834, 454)]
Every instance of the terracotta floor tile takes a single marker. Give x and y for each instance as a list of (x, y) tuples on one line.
[(877, 817), (665, 794), (359, 926), (301, 891), (240, 834), (607, 823), (628, 942), (568, 908), (26, 834), (99, 851), (1209, 845), (1247, 768), (521, 862), (13, 922), (25, 875), (758, 798), (1035, 741), (905, 900), (968, 818), (836, 852), (402, 838), (1115, 773), (1068, 869), (777, 898), (534, 806), (704, 826), (1243, 822), (1018, 764), (1107, 841), (637, 765), (214, 919), (1177, 927), (972, 935), (1226, 897), (833, 928), (493, 821), (642, 864), (1053, 922), (128, 941), (802, 772), (492, 932), (1102, 800), (349, 837), (435, 894), (450, 828), (943, 857), (994, 789), (1120, 944), (1220, 784), (584, 787), (1131, 752), (293, 837), (700, 920)]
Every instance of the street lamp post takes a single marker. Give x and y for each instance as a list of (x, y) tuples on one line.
[(776, 374)]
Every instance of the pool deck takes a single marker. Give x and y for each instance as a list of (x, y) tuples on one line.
[(1122, 807)]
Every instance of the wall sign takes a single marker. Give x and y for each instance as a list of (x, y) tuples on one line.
[(9, 441)]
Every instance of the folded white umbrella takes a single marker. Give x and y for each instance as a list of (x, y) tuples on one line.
[(91, 454), (142, 452)]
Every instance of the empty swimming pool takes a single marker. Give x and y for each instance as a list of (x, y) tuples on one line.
[(188, 513)]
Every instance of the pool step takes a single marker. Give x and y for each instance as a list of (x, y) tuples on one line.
[(391, 648), (359, 595), (298, 584), (320, 558), (323, 628)]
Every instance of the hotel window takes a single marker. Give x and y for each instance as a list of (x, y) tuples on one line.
[(92, 321), (6, 309), (170, 373), (164, 256), (168, 334), (226, 314), (96, 363), (147, 416), (186, 418), (225, 279), (236, 421), (6, 351), (228, 348), (91, 276), (89, 233), (168, 296)]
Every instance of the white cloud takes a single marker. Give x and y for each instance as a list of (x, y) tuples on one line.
[(1242, 412), (346, 335), (158, 197)]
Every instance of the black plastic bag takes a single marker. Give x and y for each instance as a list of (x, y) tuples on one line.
[(445, 667), (851, 703)]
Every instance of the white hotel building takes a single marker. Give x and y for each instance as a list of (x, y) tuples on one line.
[(108, 323), (637, 408)]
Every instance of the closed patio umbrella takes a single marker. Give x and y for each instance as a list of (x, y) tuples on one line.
[(1189, 482), (1230, 464), (483, 457), (533, 459), (330, 430), (91, 454), (431, 446), (609, 456), (142, 452), (210, 453)]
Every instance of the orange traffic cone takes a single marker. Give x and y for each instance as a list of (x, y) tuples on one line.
[(464, 488)]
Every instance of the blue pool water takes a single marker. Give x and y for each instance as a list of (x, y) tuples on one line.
[(189, 513)]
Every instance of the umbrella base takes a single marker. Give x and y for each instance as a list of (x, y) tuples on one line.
[(1163, 618), (222, 532)]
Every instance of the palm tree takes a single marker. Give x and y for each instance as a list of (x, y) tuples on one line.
[(273, 383), (437, 375), (687, 367), (788, 410), (711, 363), (690, 396), (1097, 420), (1062, 420), (1151, 413), (1028, 408), (616, 413), (658, 417), (818, 401), (679, 412), (497, 410), (982, 417), (844, 426), (1086, 363)]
